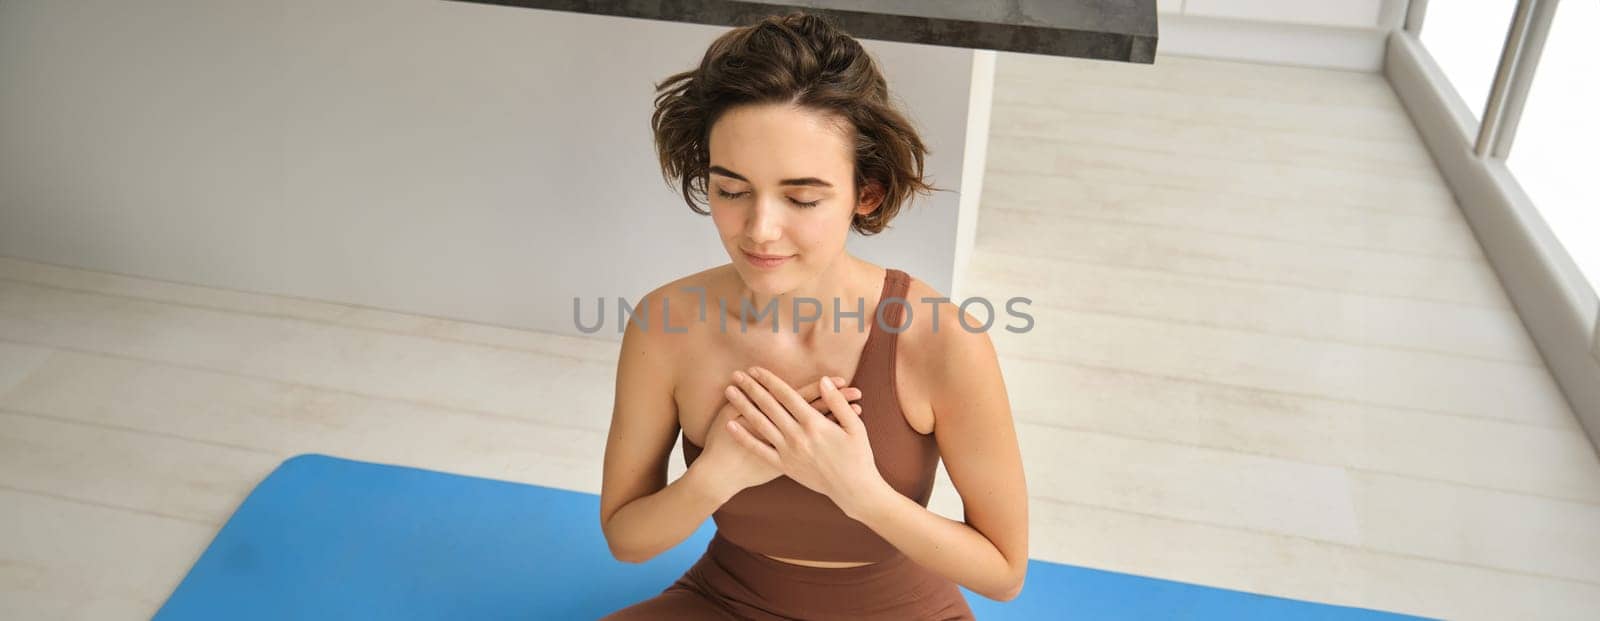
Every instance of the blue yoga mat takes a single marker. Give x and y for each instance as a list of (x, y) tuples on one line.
[(330, 538)]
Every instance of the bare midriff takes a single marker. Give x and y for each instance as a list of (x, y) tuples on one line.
[(826, 564)]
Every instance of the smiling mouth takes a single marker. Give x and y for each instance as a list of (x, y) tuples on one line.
[(765, 261)]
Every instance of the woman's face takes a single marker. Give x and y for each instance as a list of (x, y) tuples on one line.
[(781, 185)]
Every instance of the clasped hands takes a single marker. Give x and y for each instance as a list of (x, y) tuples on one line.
[(792, 436)]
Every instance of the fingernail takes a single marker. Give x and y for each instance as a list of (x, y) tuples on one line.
[(838, 380), (827, 382), (738, 375)]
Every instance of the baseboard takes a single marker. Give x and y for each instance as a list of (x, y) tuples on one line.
[(1554, 301)]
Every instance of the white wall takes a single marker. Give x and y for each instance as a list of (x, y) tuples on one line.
[(979, 108), (469, 161)]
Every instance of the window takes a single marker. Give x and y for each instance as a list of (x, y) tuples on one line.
[(1553, 154), (1465, 38)]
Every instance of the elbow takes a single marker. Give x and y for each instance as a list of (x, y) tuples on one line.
[(1015, 589), (632, 560), (618, 551), (621, 550), (626, 556)]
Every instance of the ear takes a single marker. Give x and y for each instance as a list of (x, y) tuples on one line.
[(871, 196)]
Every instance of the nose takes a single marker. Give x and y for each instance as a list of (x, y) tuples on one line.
[(765, 222)]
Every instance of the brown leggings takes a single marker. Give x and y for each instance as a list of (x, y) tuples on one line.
[(730, 582)]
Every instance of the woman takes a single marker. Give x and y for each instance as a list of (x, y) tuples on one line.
[(818, 484)]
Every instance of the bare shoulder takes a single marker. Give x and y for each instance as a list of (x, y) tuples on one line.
[(644, 417), (689, 293), (645, 370), (661, 328), (942, 358), (669, 319), (939, 333), (680, 300)]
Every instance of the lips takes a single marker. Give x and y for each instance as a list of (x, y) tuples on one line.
[(765, 260)]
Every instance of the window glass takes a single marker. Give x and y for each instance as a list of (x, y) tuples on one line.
[(1465, 38), (1555, 152)]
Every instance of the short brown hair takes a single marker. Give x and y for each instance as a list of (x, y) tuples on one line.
[(801, 59)]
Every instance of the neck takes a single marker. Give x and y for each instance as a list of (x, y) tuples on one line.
[(812, 301)]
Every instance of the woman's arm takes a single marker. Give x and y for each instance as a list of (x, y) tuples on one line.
[(640, 515), (988, 553)]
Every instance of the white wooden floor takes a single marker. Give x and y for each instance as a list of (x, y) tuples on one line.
[(1267, 355)]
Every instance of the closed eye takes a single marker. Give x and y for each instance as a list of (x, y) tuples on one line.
[(742, 194)]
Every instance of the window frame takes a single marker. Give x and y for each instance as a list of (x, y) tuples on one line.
[(1555, 301)]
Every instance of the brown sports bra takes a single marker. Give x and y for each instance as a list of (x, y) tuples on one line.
[(786, 519)]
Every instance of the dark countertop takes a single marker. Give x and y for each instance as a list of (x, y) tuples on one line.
[(1123, 30)]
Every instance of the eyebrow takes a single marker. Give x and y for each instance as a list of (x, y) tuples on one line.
[(801, 181)]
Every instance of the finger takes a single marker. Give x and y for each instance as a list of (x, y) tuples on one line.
[(843, 410), (850, 394), (811, 391), (755, 445), (756, 391), (751, 413), (788, 398), (739, 418), (812, 395)]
